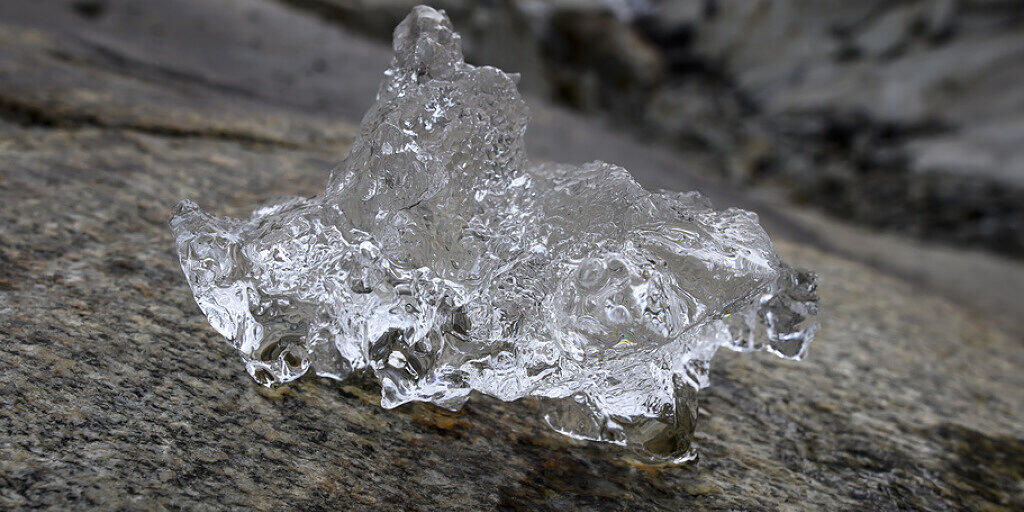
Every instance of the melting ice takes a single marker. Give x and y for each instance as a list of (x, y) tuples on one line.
[(442, 262)]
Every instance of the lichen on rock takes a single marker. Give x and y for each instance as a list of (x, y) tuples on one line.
[(444, 263)]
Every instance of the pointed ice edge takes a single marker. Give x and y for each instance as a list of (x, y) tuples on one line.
[(442, 263)]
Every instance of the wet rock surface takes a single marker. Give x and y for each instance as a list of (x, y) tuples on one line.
[(115, 394)]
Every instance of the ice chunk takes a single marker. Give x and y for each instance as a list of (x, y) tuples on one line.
[(442, 263)]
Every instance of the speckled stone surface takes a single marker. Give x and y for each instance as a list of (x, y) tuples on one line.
[(115, 394)]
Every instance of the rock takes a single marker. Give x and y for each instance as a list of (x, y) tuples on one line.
[(594, 42), (115, 395), (931, 83)]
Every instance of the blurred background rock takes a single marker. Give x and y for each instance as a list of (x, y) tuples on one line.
[(902, 115)]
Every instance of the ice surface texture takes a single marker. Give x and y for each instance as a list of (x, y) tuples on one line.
[(442, 262)]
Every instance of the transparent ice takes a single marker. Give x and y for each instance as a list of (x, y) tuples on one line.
[(442, 262)]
